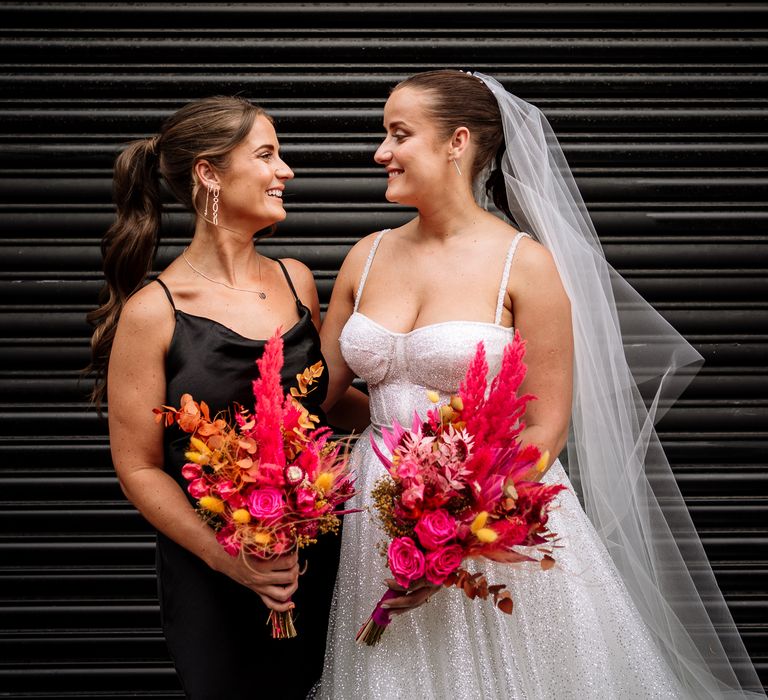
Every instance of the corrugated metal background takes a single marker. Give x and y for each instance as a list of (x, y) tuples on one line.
[(661, 109)]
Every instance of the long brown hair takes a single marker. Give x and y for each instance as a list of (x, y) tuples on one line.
[(210, 128), (459, 99)]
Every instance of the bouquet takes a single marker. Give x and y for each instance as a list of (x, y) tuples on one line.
[(461, 485), (271, 482)]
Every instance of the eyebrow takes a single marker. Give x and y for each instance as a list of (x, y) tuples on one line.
[(266, 145), (395, 125)]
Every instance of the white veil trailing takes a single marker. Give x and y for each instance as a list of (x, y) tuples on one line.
[(629, 366)]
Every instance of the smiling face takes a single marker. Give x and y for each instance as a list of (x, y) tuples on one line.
[(414, 153), (251, 196)]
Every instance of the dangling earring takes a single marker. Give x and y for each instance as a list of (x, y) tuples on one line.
[(215, 208), (207, 192), (456, 163)]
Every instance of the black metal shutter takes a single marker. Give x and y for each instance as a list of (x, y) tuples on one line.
[(661, 109)]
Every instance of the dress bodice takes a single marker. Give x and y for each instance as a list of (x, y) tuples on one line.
[(399, 368)]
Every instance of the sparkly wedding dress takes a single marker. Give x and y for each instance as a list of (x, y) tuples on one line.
[(574, 632)]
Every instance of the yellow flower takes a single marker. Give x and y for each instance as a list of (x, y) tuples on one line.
[(199, 445), (261, 537), (433, 396), (242, 516), (324, 482), (456, 403), (479, 522), (543, 462), (485, 534), (212, 504), (447, 413), (197, 458)]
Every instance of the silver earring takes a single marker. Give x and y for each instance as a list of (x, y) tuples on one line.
[(207, 192), (215, 208), (456, 163)]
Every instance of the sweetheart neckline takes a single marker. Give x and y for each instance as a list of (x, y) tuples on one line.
[(432, 325)]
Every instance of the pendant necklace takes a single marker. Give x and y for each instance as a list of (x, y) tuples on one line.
[(262, 294)]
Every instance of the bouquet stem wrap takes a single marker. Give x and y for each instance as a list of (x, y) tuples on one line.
[(282, 624), (370, 633)]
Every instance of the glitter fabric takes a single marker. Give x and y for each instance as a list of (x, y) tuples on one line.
[(574, 632)]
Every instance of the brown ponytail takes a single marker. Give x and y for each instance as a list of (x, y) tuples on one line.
[(208, 128), (459, 99), (127, 249)]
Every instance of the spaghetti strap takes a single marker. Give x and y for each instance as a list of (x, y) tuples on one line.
[(167, 292), (288, 279), (367, 267), (505, 275)]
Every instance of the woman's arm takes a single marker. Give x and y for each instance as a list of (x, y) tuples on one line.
[(542, 314), (340, 309), (136, 384)]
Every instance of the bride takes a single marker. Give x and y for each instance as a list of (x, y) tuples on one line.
[(621, 615)]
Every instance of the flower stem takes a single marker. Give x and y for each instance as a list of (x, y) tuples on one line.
[(282, 624)]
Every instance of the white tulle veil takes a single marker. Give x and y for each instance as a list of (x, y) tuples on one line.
[(629, 367)]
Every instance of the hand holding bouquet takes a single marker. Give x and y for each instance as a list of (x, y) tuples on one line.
[(460, 486), (273, 481)]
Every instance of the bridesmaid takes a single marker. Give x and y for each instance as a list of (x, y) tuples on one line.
[(199, 329)]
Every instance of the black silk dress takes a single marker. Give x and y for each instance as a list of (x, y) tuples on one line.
[(216, 629)]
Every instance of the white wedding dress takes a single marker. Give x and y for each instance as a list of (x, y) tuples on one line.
[(574, 632)]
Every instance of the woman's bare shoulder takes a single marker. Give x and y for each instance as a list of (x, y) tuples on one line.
[(300, 274), (533, 257), (147, 310)]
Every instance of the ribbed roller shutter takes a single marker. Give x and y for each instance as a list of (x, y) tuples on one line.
[(661, 109)]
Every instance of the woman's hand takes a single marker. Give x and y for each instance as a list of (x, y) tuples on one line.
[(416, 595), (274, 580)]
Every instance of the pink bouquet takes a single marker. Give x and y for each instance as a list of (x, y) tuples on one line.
[(461, 485), (272, 482)]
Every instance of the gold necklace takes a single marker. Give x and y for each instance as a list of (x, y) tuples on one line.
[(262, 294)]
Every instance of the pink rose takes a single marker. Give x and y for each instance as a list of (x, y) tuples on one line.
[(435, 528), (442, 562), (191, 471), (266, 505), (406, 560)]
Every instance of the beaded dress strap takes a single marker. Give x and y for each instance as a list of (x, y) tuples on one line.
[(368, 267), (505, 276), (167, 292)]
